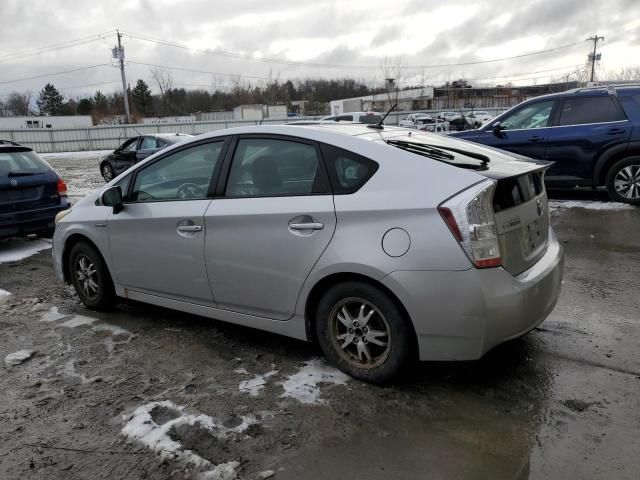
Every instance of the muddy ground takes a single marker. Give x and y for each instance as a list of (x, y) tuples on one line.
[(149, 393)]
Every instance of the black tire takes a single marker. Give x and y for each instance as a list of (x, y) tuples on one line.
[(618, 171), (107, 172), (81, 257), (386, 361)]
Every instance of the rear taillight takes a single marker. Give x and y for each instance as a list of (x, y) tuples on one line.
[(62, 188), (469, 216)]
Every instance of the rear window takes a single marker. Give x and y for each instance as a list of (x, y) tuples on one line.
[(577, 111), (511, 192), (370, 118), (348, 171), (17, 162)]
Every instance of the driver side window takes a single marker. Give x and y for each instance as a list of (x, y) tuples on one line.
[(183, 175), (537, 115)]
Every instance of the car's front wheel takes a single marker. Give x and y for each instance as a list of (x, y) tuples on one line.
[(363, 332), (623, 181), (107, 172), (90, 277)]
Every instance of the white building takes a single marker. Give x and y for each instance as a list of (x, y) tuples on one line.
[(57, 121), (169, 119), (259, 111), (414, 99)]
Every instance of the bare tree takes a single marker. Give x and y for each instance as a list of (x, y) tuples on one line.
[(18, 104), (392, 69), (165, 84), (625, 74)]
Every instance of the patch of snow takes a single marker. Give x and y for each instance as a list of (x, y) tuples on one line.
[(304, 385), (254, 386), (3, 295), (69, 370), (76, 155), (589, 204), (53, 315), (16, 358), (141, 427), (265, 474), (14, 249), (78, 320), (115, 330), (242, 371)]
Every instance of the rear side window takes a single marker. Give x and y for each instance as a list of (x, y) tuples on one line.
[(348, 171), (265, 167), (17, 163), (577, 111)]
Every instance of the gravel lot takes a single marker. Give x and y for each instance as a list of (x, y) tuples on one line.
[(145, 392)]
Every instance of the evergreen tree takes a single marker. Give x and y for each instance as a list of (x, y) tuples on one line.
[(50, 101), (101, 103), (141, 96), (85, 106)]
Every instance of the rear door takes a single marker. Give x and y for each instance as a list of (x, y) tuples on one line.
[(274, 218), (524, 131), (586, 127), (157, 240)]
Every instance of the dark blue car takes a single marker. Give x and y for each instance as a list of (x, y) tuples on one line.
[(31, 192), (592, 135)]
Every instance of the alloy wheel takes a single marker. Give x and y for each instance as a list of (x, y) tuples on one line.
[(360, 333), (627, 182), (87, 276), (107, 173)]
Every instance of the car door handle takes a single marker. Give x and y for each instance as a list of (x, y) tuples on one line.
[(306, 226), (190, 228), (615, 131), (536, 138)]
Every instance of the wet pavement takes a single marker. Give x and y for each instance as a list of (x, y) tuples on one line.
[(145, 392)]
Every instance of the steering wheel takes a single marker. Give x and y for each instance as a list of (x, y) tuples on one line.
[(190, 190)]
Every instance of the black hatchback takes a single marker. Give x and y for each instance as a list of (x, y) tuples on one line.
[(31, 192), (134, 150)]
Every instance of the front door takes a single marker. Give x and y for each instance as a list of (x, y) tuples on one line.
[(270, 228), (127, 154), (157, 240), (524, 131)]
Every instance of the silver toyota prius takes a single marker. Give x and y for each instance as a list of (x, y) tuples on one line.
[(382, 244)]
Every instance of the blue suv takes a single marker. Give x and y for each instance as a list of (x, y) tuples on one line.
[(592, 134)]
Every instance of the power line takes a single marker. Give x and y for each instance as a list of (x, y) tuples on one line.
[(191, 70), (4, 82), (54, 47), (225, 53)]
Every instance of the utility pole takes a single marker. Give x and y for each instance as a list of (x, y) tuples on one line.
[(593, 57), (125, 96)]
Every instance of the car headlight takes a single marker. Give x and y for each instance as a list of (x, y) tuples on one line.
[(62, 214)]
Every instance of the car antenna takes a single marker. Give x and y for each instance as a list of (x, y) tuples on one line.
[(379, 126)]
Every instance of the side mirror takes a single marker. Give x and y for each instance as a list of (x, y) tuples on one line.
[(113, 198), (497, 129)]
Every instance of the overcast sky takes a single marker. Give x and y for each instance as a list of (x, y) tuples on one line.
[(353, 33)]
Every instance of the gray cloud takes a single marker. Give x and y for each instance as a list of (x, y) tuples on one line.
[(207, 23)]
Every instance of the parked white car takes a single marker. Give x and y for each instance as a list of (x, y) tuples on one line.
[(478, 117), (410, 120)]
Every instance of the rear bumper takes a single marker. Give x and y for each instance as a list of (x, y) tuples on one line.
[(462, 315), (31, 221)]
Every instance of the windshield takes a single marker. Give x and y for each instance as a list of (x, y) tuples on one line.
[(21, 163)]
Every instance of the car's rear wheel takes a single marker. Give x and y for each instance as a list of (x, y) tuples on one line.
[(90, 277), (623, 181), (107, 172), (363, 332)]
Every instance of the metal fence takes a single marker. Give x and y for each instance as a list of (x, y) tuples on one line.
[(51, 140)]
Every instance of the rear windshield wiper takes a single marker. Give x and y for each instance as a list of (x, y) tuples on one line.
[(21, 174), (427, 149)]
